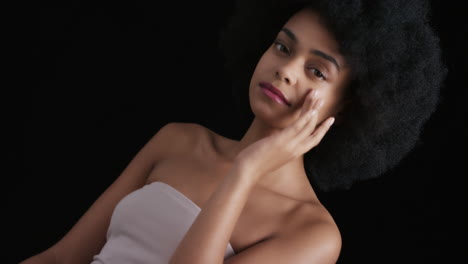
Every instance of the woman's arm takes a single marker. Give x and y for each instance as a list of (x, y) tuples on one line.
[(317, 241), (87, 237), (208, 236), (46, 257)]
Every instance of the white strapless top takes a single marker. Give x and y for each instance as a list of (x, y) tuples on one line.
[(147, 225)]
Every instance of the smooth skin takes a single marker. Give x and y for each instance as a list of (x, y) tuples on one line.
[(315, 242), (269, 155), (272, 150)]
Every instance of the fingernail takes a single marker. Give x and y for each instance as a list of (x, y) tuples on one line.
[(331, 121)]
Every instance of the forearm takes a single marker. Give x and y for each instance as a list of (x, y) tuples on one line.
[(45, 257), (208, 237)]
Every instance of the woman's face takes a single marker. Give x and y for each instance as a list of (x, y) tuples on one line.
[(303, 56)]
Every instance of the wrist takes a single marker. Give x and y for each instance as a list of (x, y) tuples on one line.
[(243, 174)]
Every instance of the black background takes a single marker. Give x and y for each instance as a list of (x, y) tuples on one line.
[(111, 75)]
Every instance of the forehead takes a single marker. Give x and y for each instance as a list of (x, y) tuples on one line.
[(310, 31)]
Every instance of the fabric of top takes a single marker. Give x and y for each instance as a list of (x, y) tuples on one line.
[(147, 225)]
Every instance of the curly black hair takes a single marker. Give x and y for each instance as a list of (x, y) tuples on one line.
[(397, 67)]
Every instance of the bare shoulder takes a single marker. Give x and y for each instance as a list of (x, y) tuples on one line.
[(190, 128), (314, 228), (180, 135), (312, 237), (320, 239), (318, 230), (315, 216), (186, 129), (193, 132)]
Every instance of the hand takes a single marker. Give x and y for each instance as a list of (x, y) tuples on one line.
[(272, 152)]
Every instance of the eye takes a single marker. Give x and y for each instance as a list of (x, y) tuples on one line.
[(318, 73), (280, 47)]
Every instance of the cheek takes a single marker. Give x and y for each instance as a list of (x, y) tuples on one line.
[(265, 63), (329, 108)]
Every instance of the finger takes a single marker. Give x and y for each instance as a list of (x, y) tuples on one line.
[(308, 100), (304, 116), (311, 123), (308, 110), (314, 139)]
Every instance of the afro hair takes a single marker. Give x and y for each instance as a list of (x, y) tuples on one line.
[(397, 68)]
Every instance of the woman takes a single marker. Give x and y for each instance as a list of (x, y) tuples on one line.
[(357, 82)]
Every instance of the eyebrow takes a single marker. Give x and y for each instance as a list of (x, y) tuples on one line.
[(313, 51)]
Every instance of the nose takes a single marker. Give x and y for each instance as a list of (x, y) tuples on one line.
[(287, 73)]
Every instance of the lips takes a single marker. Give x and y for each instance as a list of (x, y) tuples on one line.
[(275, 90)]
